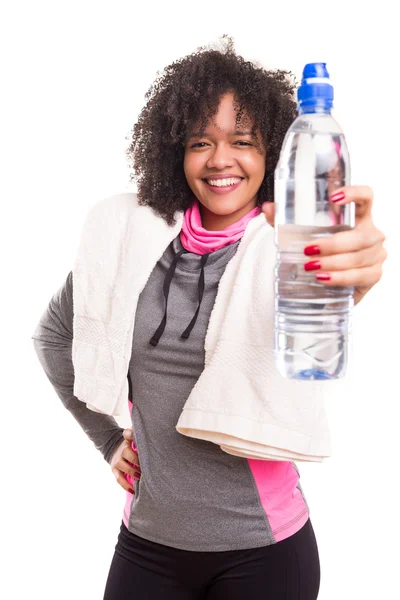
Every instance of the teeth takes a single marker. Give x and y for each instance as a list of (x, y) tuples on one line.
[(223, 182)]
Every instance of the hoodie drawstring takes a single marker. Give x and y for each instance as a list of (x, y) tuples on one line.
[(167, 282), (200, 291)]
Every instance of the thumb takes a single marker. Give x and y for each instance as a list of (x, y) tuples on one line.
[(268, 209), (128, 434)]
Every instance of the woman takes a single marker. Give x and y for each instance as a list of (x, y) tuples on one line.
[(197, 524)]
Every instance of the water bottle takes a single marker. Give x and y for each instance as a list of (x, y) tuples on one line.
[(312, 321)]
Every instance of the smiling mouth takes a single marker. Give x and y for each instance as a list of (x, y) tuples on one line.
[(223, 183)]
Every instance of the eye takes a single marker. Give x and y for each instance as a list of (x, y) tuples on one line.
[(202, 144)]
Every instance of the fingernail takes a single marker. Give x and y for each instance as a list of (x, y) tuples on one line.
[(323, 276), (314, 265), (337, 197), (311, 250)]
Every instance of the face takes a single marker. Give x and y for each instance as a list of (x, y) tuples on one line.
[(224, 169)]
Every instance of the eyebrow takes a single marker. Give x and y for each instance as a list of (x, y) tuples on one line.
[(207, 135)]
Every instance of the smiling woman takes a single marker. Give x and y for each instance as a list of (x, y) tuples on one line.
[(211, 114), (225, 162), (204, 519)]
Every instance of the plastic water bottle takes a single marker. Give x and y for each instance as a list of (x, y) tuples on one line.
[(312, 321)]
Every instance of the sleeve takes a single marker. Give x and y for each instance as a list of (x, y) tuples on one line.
[(52, 341)]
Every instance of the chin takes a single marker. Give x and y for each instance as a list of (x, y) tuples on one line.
[(224, 206)]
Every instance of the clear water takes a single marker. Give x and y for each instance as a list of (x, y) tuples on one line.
[(312, 321)]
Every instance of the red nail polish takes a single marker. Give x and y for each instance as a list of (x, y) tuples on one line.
[(314, 265), (312, 250), (337, 197), (323, 276)]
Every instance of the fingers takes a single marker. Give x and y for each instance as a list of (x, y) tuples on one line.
[(347, 241), (128, 466), (130, 455), (367, 257), (127, 461), (360, 278), (123, 467), (361, 195), (121, 479)]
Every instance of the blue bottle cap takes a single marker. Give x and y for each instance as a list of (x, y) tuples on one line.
[(316, 90)]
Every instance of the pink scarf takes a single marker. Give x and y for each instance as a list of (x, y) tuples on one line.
[(198, 240)]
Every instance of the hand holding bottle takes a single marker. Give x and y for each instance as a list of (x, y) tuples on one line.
[(349, 258)]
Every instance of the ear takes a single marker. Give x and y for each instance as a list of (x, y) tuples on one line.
[(268, 209)]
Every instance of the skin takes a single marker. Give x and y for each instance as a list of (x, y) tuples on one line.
[(221, 152), (350, 258)]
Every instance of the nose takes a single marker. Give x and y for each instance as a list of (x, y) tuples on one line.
[(220, 158)]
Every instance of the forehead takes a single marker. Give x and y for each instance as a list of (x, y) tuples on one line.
[(227, 120)]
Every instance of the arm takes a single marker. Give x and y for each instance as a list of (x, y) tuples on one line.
[(52, 340)]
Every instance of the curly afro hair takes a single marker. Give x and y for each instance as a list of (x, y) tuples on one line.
[(188, 92)]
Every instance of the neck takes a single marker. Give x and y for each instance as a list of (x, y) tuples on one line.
[(213, 222)]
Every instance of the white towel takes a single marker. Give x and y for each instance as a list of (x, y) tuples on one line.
[(240, 401)]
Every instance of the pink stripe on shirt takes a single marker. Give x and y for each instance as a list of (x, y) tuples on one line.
[(281, 500)]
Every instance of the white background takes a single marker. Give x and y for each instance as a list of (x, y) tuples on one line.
[(73, 76)]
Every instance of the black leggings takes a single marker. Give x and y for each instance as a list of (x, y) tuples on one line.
[(144, 570)]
